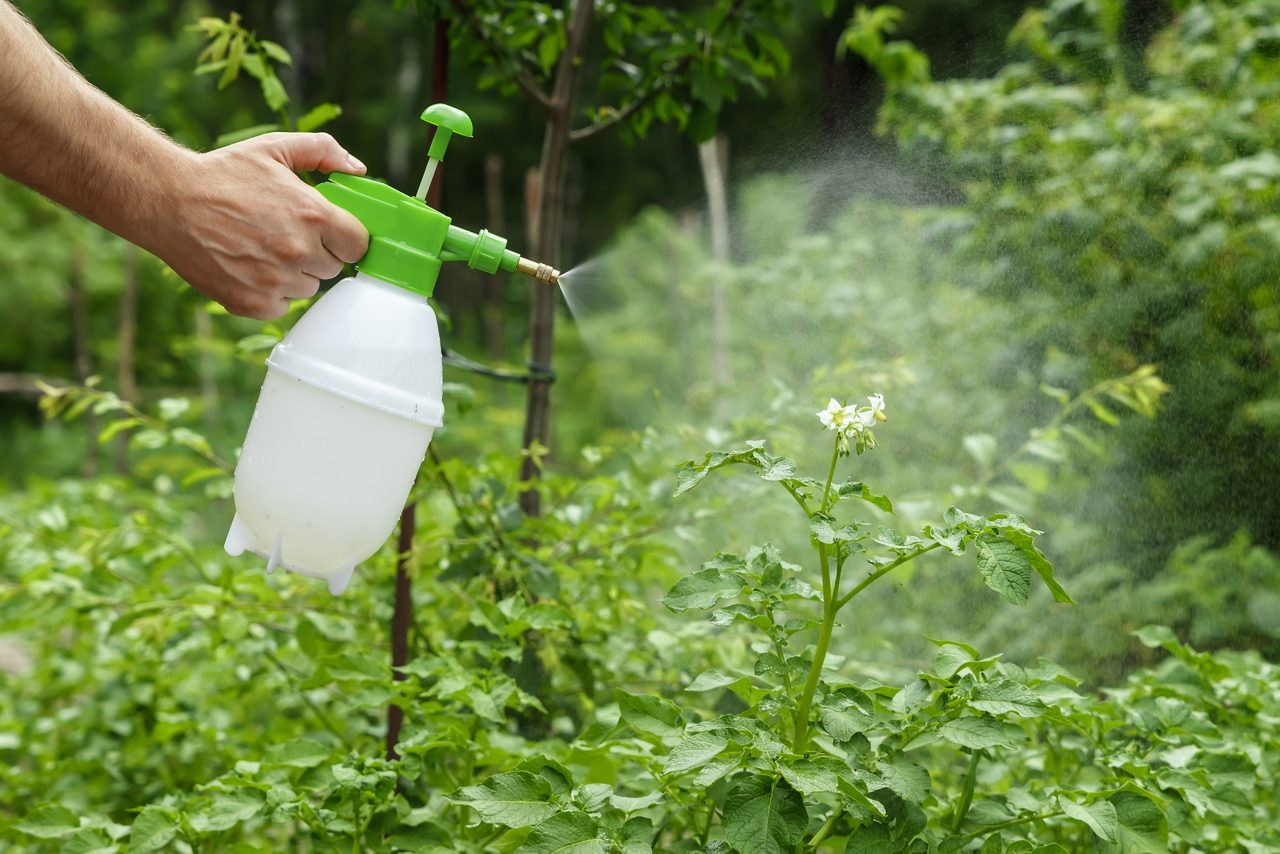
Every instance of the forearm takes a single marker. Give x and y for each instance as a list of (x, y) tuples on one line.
[(64, 138)]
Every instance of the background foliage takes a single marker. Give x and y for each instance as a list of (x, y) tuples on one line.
[(1057, 261)]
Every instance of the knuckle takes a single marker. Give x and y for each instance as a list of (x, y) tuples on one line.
[(290, 248), (313, 213)]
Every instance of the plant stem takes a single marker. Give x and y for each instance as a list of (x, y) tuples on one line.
[(830, 606), (310, 704), (829, 609), (706, 827), (825, 830), (827, 593), (966, 798), (796, 495), (882, 571), (831, 473), (992, 828)]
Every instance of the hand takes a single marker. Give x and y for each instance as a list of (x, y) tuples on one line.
[(244, 230)]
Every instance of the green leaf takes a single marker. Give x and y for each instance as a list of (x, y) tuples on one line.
[(299, 753), (628, 804), (874, 839), (117, 427), (811, 776), (646, 713), (978, 733), (949, 659), (153, 829), (857, 489), (548, 50), (273, 92), (1100, 816), (318, 116), (690, 474), (555, 773), (593, 796), (710, 680), (904, 778), (1156, 636), (693, 751), (1004, 568), (775, 468), (823, 529), (275, 51), (713, 771), (703, 589), (512, 798), (173, 408), (1038, 562), (49, 822), (1141, 826), (570, 832), (982, 447), (763, 816), (228, 809), (844, 724), (1004, 696), (90, 840)]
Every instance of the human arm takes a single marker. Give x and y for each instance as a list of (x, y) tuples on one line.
[(237, 223)]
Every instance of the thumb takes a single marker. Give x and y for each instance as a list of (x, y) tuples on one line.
[(309, 152)]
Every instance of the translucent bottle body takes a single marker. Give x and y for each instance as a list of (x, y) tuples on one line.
[(350, 403)]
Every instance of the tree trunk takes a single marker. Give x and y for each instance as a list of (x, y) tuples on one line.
[(82, 353), (555, 147), (126, 336), (402, 610), (710, 153)]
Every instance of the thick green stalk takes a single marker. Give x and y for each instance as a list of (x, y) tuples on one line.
[(829, 609), (811, 684), (825, 830), (966, 797), (831, 473)]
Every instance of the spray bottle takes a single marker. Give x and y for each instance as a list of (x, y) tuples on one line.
[(352, 394)]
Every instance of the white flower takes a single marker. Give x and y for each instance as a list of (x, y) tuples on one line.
[(839, 417), (869, 417)]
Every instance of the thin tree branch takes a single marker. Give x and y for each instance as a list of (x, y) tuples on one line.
[(620, 116), (526, 83), (616, 118)]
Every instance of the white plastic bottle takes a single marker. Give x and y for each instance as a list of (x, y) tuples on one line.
[(353, 393), (350, 402)]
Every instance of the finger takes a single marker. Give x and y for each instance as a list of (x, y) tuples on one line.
[(300, 286), (344, 235), (258, 307), (307, 152), (324, 268)]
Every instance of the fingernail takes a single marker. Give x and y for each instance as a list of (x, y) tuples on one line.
[(355, 164)]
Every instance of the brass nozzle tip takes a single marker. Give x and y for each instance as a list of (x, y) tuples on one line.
[(541, 272)]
